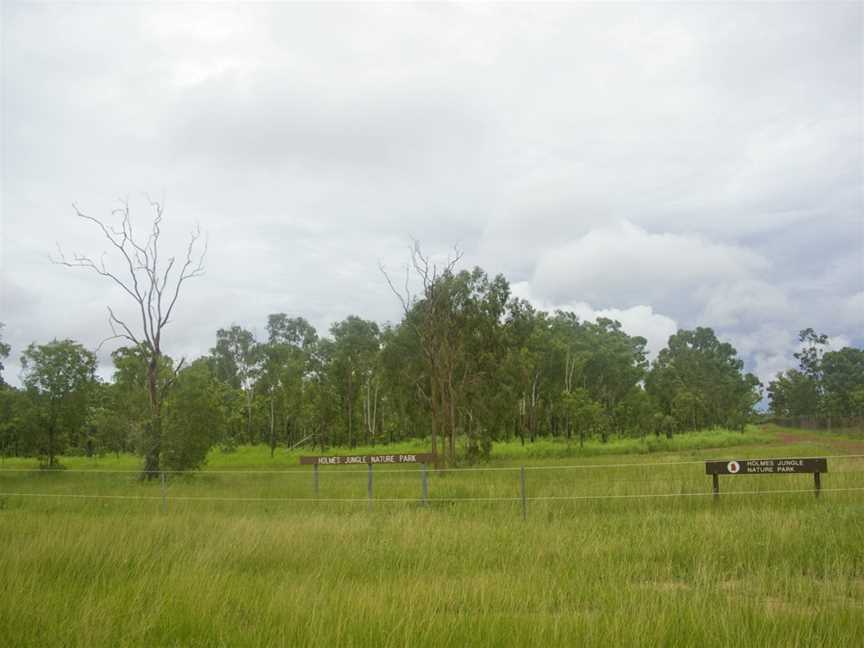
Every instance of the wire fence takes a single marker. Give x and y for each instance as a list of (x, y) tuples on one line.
[(421, 486), (820, 422), (306, 471), (397, 500)]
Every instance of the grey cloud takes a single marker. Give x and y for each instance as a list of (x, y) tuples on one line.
[(624, 264), (312, 141)]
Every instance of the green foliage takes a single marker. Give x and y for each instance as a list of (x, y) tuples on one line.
[(584, 411), (4, 353), (467, 367), (17, 423), (127, 408), (843, 381), (105, 427), (59, 378), (353, 374), (699, 381), (793, 393), (195, 417), (827, 383), (236, 360)]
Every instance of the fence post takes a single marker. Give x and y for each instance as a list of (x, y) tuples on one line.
[(715, 479), (817, 482), (369, 487), (315, 487), (524, 500), (424, 477), (164, 500)]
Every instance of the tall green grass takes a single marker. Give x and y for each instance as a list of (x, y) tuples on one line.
[(754, 570)]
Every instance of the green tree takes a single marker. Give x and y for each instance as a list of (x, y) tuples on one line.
[(614, 362), (793, 394), (17, 423), (404, 383), (813, 347), (4, 353), (236, 360), (805, 391), (699, 381), (108, 430), (634, 412), (842, 379), (129, 399), (354, 370), (585, 413), (195, 417), (431, 315), (288, 358), (527, 367), (60, 378)]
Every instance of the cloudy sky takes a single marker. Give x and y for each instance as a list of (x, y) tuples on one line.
[(668, 165)]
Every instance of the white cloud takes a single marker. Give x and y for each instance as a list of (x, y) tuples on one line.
[(638, 320), (851, 313), (769, 349), (625, 265), (745, 303)]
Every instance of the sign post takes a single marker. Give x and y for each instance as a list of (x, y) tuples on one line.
[(815, 465), (524, 500), (164, 490)]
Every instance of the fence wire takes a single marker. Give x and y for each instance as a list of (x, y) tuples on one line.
[(416, 500), (384, 468), (587, 479)]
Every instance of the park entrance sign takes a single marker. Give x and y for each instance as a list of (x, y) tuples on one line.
[(815, 465), (766, 466), (423, 458)]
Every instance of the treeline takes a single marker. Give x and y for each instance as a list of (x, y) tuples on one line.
[(468, 364), (825, 384)]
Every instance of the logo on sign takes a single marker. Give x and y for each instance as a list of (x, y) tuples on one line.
[(733, 467)]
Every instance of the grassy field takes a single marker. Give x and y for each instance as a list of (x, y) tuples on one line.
[(260, 564)]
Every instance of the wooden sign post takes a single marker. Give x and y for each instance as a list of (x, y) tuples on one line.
[(814, 465), (424, 458)]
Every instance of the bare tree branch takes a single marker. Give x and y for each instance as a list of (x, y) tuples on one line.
[(406, 299), (168, 383), (150, 287)]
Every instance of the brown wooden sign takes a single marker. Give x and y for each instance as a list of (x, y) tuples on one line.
[(424, 458), (766, 466)]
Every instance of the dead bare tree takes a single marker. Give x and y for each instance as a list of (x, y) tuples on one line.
[(437, 334), (154, 284)]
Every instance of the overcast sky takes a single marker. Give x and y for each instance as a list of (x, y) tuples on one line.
[(668, 165)]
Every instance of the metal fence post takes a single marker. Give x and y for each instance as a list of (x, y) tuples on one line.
[(369, 488), (524, 499), (715, 485), (425, 481), (164, 488), (817, 482)]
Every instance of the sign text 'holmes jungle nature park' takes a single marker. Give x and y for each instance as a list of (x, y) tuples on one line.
[(424, 458), (815, 465), (766, 466)]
